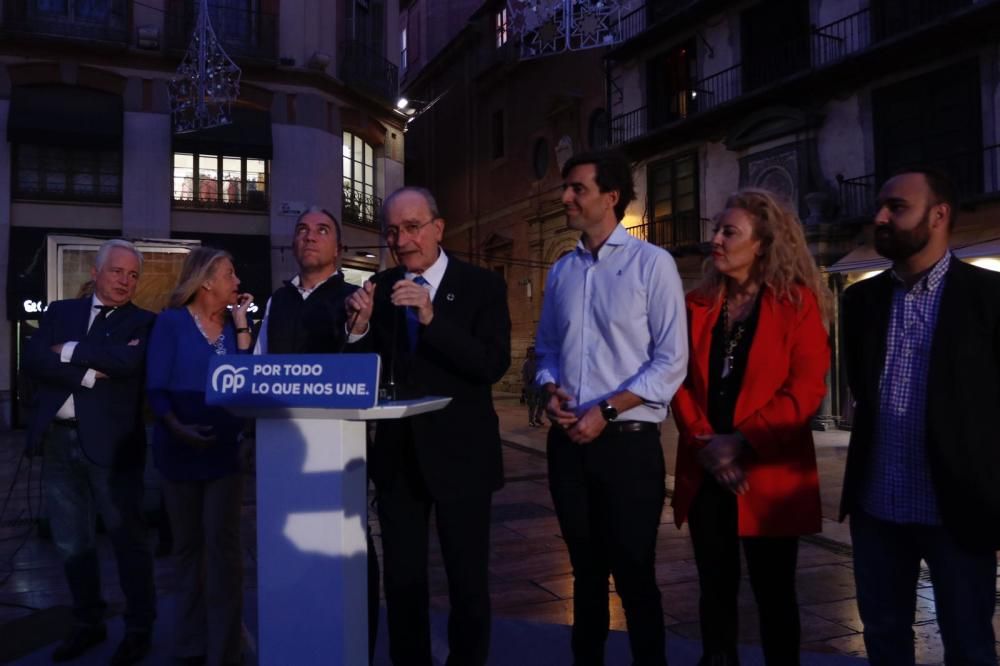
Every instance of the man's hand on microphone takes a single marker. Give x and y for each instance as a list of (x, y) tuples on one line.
[(411, 294), (359, 308)]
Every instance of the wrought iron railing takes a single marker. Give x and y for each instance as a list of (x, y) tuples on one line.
[(76, 19), (974, 174), (717, 89), (360, 209), (244, 33), (674, 231), (837, 40), (231, 196), (857, 196), (895, 17), (628, 126), (362, 67)]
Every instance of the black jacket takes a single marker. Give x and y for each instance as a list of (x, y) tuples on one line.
[(109, 413), (963, 396), (311, 326), (461, 354)]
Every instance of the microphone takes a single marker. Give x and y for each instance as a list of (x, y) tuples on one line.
[(388, 391)]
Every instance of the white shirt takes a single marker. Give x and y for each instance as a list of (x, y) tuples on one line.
[(615, 323), (68, 409)]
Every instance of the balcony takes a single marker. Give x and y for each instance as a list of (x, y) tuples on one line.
[(682, 230), (363, 68), (244, 33), (361, 210), (786, 73), (976, 176), (74, 19)]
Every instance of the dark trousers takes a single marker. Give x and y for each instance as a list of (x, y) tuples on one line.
[(771, 567), (463, 526), (373, 596), (76, 490), (886, 566), (208, 563), (608, 496)]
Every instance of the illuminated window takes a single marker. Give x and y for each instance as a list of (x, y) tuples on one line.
[(220, 181), (360, 203), (501, 27)]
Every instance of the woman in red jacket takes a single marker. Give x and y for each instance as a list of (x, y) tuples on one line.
[(746, 468)]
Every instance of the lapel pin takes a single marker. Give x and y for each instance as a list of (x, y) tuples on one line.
[(449, 297)]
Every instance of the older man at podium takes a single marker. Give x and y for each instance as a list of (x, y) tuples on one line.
[(442, 327)]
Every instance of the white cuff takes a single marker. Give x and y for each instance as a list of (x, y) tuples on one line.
[(354, 337), (66, 355), (89, 378)]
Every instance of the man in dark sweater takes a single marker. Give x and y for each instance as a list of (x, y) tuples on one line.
[(306, 315)]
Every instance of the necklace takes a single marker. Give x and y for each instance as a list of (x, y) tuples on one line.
[(731, 340), (220, 342)]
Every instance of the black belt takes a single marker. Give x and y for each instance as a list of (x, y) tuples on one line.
[(66, 423), (632, 426)]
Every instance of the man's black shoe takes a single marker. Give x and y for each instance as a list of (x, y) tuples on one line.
[(132, 649), (82, 639)]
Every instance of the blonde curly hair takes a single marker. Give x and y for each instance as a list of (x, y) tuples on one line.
[(785, 262)]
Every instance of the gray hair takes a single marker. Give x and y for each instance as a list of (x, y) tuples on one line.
[(107, 246), (422, 191), (322, 211)]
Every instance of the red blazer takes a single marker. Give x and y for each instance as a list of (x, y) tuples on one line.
[(782, 388)]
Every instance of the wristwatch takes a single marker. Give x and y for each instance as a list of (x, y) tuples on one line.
[(607, 411)]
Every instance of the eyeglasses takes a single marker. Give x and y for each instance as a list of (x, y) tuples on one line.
[(410, 229)]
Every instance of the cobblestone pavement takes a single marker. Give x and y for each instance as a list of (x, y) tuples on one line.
[(530, 578)]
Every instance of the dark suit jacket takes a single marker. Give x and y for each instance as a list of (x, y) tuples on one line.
[(109, 413), (963, 395), (461, 354)]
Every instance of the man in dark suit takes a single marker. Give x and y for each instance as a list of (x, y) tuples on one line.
[(922, 344), (87, 358), (443, 328)]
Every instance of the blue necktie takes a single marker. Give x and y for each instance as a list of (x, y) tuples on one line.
[(412, 319)]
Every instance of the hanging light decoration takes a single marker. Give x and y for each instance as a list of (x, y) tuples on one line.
[(547, 27), (206, 82)]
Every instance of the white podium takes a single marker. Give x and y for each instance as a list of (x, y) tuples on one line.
[(312, 493)]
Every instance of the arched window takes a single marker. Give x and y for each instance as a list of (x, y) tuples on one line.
[(360, 202)]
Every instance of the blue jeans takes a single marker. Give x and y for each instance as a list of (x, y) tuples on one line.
[(886, 565), (75, 491)]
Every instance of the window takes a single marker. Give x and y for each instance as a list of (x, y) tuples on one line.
[(775, 41), (497, 141), (360, 203), (56, 173), (673, 200), (933, 119), (501, 17), (597, 132), (220, 181), (402, 49), (671, 82)]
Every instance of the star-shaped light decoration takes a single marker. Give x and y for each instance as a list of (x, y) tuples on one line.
[(206, 83), (553, 26)]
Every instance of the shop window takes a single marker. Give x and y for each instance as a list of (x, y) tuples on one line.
[(220, 181), (56, 173)]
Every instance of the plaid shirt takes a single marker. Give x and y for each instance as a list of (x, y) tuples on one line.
[(899, 487)]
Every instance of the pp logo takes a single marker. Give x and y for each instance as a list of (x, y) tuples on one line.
[(228, 379)]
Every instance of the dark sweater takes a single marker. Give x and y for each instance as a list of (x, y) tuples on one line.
[(314, 325)]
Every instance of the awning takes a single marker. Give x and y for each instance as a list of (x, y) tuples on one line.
[(249, 135), (966, 243), (65, 116)]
